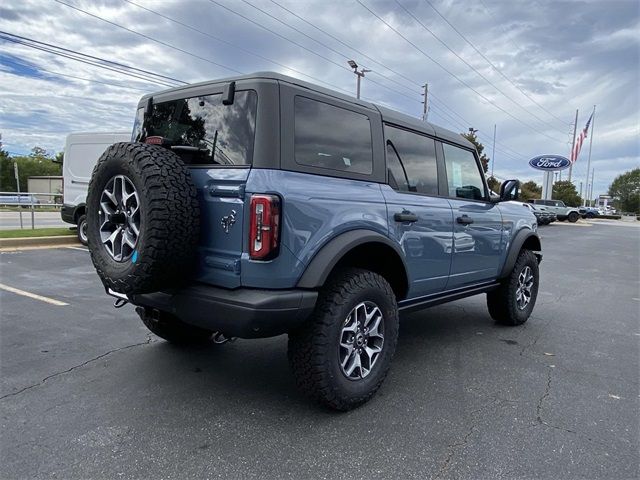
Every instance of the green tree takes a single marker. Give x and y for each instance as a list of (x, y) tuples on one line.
[(37, 163), (625, 190), (530, 190), (471, 136), (494, 184), (566, 191)]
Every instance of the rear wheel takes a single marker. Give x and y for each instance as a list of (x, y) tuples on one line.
[(573, 217), (171, 328), (513, 302), (343, 353), (82, 229)]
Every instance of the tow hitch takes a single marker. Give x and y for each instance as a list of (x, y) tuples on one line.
[(121, 298)]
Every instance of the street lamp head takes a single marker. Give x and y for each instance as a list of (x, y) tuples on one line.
[(352, 64)]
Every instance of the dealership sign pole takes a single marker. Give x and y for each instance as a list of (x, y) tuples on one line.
[(549, 164)]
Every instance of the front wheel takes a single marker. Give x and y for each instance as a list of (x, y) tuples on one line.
[(573, 217), (513, 302), (343, 353)]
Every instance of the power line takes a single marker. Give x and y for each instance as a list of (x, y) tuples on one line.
[(359, 52), (226, 42), (92, 57), (564, 123), (339, 65), (81, 57), (480, 74), (73, 76), (456, 76), (231, 69)]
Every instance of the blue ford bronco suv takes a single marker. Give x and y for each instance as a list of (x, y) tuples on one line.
[(261, 205)]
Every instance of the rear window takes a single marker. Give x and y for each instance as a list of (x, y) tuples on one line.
[(205, 131), (331, 137)]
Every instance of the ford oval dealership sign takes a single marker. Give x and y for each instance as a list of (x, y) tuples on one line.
[(549, 162)]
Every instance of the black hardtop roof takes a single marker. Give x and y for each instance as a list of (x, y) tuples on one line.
[(388, 115)]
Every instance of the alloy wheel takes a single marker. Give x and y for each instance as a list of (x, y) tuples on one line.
[(120, 218), (361, 340)]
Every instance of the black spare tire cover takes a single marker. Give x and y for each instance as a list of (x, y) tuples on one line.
[(142, 218)]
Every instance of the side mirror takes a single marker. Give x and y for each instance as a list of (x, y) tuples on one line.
[(509, 190)]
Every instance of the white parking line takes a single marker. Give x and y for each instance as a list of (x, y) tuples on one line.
[(17, 291), (79, 248)]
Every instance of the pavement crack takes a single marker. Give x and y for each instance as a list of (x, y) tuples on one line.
[(75, 367), (546, 393), (452, 448)]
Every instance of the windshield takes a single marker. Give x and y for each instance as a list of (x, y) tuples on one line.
[(204, 131)]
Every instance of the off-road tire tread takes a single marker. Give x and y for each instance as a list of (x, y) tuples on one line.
[(500, 302), (306, 345), (171, 218)]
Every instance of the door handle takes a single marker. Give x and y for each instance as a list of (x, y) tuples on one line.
[(405, 216), (464, 220)]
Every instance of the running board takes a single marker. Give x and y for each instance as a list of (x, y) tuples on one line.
[(444, 297)]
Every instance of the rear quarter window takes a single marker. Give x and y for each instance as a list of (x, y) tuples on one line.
[(330, 137)]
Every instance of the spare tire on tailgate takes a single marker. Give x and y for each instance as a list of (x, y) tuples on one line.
[(142, 218)]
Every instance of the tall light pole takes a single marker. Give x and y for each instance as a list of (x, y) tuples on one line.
[(359, 74)]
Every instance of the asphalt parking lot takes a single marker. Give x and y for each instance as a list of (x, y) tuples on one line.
[(87, 392)]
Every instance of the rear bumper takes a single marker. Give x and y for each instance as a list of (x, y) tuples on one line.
[(244, 312), (67, 212)]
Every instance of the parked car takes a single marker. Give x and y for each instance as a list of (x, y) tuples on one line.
[(589, 212), (543, 216), (23, 199), (81, 152), (558, 207), (261, 205)]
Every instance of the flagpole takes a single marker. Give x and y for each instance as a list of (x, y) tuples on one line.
[(573, 145), (593, 121)]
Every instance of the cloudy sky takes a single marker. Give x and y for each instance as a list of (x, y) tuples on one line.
[(525, 66)]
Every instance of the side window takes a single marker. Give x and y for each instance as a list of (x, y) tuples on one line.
[(463, 175), (331, 137), (411, 160)]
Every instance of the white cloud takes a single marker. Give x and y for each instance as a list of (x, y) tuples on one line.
[(564, 55)]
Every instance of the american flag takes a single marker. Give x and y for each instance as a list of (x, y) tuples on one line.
[(575, 151)]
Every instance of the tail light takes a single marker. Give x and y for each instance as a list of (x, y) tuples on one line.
[(264, 227)]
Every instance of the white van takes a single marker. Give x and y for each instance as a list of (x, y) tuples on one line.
[(81, 152)]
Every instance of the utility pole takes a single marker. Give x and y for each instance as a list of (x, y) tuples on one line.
[(15, 172), (493, 152), (581, 194), (425, 103), (593, 121), (573, 144), (359, 74)]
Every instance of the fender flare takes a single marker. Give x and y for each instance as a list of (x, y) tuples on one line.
[(514, 250), (332, 252)]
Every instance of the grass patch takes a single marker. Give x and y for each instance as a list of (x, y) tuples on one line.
[(38, 232)]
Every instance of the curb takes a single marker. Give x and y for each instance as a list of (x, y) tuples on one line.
[(33, 242)]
